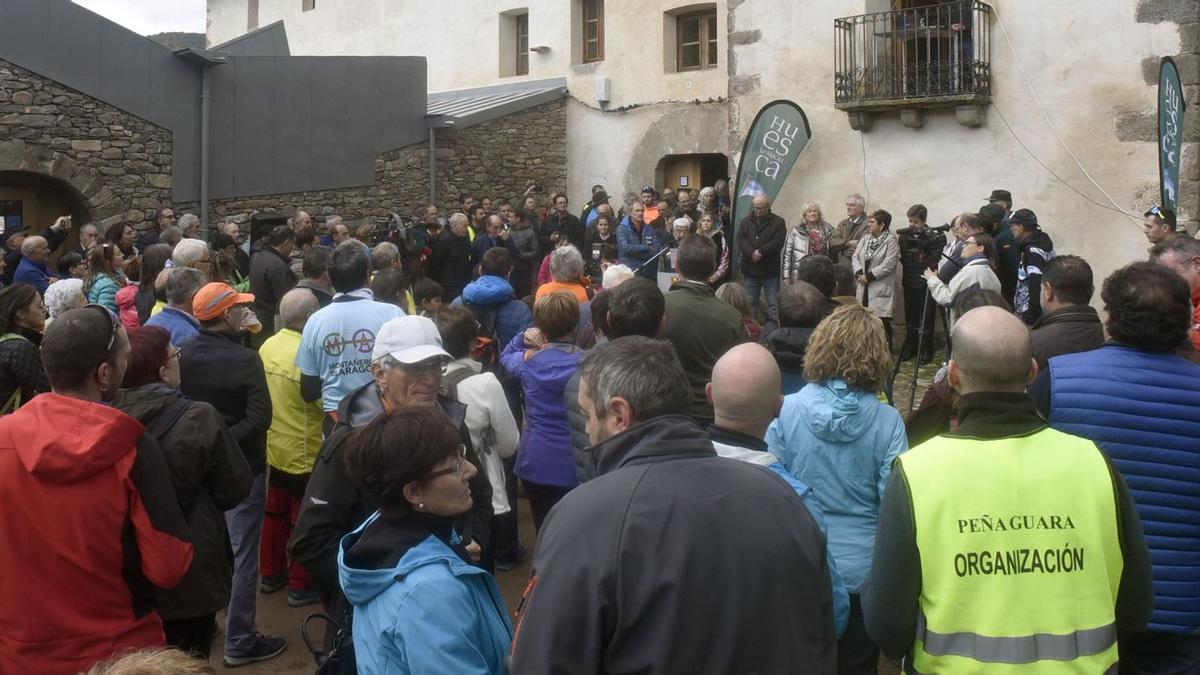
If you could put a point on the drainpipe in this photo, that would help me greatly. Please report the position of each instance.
(432, 165)
(205, 99)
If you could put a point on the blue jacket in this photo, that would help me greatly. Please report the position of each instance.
(544, 455)
(842, 443)
(634, 249)
(38, 276)
(496, 294)
(181, 325)
(432, 613)
(104, 292)
(1141, 409)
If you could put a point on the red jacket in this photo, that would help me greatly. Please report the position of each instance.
(88, 521)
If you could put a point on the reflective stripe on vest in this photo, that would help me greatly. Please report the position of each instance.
(1020, 556)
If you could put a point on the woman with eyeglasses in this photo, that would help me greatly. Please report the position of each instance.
(122, 236)
(978, 269)
(420, 606)
(22, 320)
(106, 276)
(209, 475)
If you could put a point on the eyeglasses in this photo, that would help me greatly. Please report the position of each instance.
(460, 463)
(113, 322)
(175, 354)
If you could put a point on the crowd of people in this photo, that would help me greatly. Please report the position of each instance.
(717, 479)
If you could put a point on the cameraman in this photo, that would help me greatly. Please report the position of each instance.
(920, 249)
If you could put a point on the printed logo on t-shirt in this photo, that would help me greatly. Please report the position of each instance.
(363, 341)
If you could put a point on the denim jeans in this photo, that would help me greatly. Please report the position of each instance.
(771, 286)
(245, 523)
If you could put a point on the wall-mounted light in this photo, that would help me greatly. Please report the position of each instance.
(540, 49)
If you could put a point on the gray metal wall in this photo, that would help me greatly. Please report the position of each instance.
(280, 124)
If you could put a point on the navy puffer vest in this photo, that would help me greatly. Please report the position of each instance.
(1143, 410)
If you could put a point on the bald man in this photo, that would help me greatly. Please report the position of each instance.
(1005, 541)
(745, 395)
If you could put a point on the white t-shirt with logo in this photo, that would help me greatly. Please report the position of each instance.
(337, 343)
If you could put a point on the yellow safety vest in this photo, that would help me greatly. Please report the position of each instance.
(1020, 556)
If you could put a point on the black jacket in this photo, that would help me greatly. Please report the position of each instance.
(270, 278)
(1066, 330)
(581, 443)
(334, 504)
(21, 366)
(209, 476)
(890, 598)
(215, 369)
(450, 264)
(674, 560)
(919, 250)
(565, 226)
(765, 236)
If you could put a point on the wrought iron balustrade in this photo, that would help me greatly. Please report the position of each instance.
(913, 56)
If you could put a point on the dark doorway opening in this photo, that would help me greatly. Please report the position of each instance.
(31, 202)
(692, 171)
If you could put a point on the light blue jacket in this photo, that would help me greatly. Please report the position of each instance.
(841, 442)
(104, 292)
(431, 614)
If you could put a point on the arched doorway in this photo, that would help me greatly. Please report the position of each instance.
(31, 202)
(692, 171)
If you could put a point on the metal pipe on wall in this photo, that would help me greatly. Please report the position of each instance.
(432, 165)
(205, 97)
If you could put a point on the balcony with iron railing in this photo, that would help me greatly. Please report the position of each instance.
(913, 59)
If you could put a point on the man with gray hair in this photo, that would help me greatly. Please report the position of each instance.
(189, 226)
(1182, 254)
(848, 232)
(293, 441)
(984, 531)
(182, 285)
(450, 262)
(32, 270)
(597, 587)
(385, 256)
(336, 231)
(192, 253)
(746, 397)
(170, 236)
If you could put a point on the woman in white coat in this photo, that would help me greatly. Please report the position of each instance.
(978, 269)
(876, 263)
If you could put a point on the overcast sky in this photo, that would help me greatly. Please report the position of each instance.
(151, 16)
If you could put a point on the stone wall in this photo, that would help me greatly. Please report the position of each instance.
(499, 159)
(117, 165)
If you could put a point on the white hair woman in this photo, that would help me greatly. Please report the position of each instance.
(810, 237)
(63, 295)
(566, 274)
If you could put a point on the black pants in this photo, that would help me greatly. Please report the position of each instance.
(1158, 653)
(914, 300)
(193, 636)
(857, 654)
(542, 498)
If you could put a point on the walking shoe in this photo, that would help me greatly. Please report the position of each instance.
(303, 598)
(273, 583)
(265, 647)
(506, 565)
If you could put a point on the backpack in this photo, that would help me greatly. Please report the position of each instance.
(485, 316)
(14, 400)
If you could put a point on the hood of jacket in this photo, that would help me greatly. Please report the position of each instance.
(488, 290)
(146, 402)
(362, 582)
(66, 440)
(362, 406)
(788, 346)
(667, 437)
(837, 413)
(1038, 239)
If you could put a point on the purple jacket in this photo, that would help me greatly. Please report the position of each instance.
(544, 455)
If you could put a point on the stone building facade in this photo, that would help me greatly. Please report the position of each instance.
(115, 165)
(499, 158)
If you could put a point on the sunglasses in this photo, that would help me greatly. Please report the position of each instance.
(459, 464)
(113, 323)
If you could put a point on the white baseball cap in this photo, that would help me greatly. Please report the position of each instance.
(409, 340)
